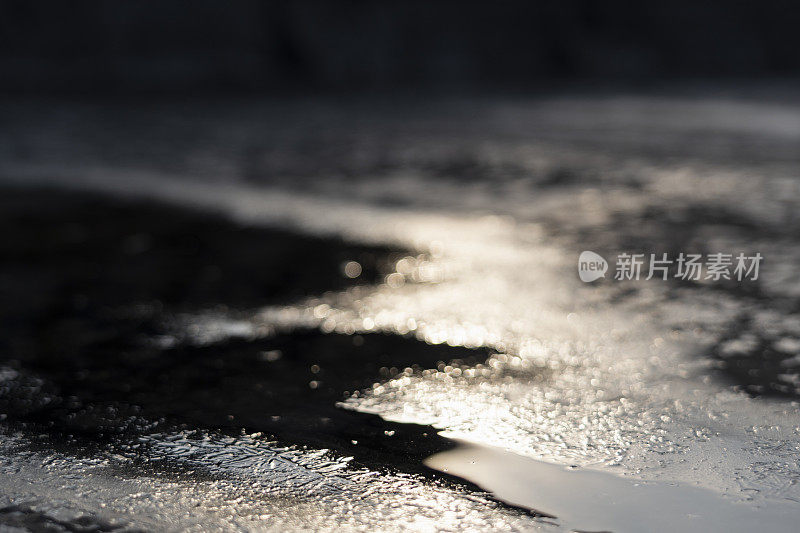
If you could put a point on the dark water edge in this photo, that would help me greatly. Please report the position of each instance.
(91, 362)
(89, 288)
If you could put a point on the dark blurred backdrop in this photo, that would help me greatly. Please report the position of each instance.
(174, 45)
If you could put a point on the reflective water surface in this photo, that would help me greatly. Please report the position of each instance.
(677, 401)
(591, 499)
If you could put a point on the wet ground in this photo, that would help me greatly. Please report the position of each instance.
(292, 315)
(98, 355)
(99, 361)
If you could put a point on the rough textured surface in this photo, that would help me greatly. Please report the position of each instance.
(467, 218)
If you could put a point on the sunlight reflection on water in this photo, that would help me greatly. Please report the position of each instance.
(613, 376)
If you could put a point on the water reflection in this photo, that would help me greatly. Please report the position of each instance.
(584, 499)
(642, 378)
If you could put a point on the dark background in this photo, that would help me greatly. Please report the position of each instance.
(246, 45)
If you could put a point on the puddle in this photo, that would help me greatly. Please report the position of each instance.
(583, 499)
(94, 351)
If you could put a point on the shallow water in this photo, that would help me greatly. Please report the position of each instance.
(590, 499)
(472, 215)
